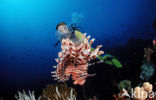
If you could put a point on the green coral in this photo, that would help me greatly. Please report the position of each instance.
(125, 84)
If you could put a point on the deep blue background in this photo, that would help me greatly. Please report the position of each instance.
(27, 33)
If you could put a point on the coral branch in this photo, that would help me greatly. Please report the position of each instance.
(59, 92)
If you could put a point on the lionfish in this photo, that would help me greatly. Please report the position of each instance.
(74, 59)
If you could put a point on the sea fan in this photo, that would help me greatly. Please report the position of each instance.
(59, 92)
(24, 96)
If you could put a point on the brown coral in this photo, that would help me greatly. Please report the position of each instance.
(148, 52)
(59, 92)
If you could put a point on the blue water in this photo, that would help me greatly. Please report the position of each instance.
(27, 33)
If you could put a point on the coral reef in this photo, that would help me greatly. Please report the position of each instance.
(147, 70)
(142, 93)
(73, 60)
(139, 93)
(59, 92)
(24, 96)
(126, 84)
(148, 52)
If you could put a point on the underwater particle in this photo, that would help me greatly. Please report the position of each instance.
(24, 96)
(58, 92)
(73, 60)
